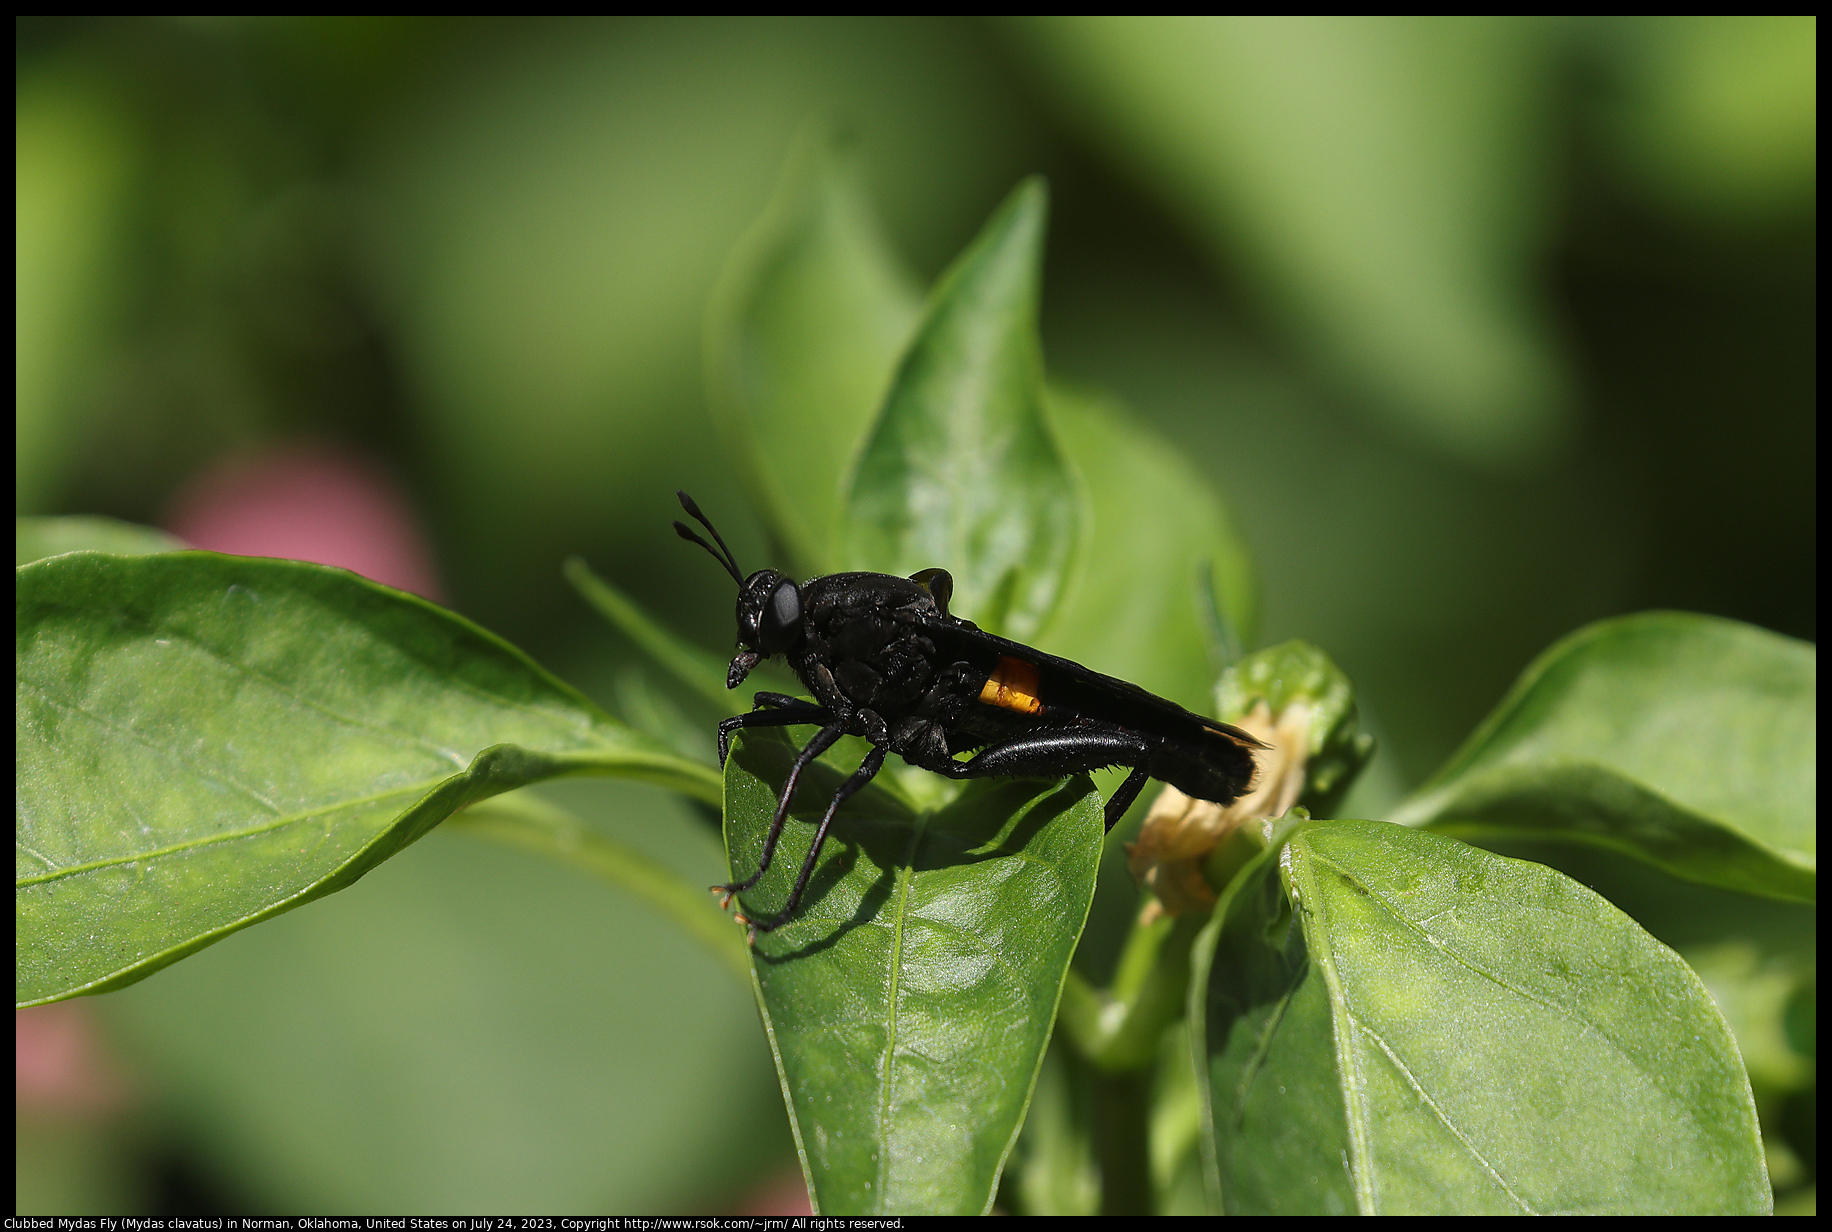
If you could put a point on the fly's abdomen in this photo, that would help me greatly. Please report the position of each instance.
(1221, 774)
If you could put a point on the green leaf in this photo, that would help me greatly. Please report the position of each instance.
(1157, 542)
(806, 328)
(961, 471)
(37, 538)
(205, 741)
(1687, 741)
(1391, 1022)
(909, 1000)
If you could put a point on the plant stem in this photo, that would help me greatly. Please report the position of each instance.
(534, 824)
(1122, 1141)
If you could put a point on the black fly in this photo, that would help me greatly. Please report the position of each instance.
(884, 660)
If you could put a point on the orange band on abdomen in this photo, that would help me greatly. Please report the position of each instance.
(1013, 686)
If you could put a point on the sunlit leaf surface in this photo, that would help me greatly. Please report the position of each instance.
(1687, 741)
(910, 998)
(1391, 1022)
(205, 741)
(961, 471)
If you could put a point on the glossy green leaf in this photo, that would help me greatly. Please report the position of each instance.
(1391, 1022)
(1158, 542)
(37, 538)
(205, 741)
(1687, 741)
(910, 999)
(961, 470)
(806, 328)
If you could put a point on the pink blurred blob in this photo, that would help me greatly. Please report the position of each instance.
(61, 1065)
(307, 501)
(783, 1194)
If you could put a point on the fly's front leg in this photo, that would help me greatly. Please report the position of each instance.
(773, 710)
(863, 775)
(823, 740)
(1053, 752)
(873, 729)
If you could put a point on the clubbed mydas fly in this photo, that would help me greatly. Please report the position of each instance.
(884, 660)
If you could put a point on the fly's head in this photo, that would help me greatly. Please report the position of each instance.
(769, 621)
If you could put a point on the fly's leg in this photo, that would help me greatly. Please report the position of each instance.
(863, 775)
(1052, 753)
(773, 710)
(1122, 799)
(823, 740)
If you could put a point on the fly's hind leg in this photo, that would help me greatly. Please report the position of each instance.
(1053, 752)
(1122, 798)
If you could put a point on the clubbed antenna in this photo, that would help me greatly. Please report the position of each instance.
(728, 560)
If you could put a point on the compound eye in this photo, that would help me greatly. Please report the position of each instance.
(781, 625)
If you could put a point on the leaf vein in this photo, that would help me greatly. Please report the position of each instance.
(226, 836)
(1443, 1118)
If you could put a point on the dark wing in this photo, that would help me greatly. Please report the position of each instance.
(1065, 683)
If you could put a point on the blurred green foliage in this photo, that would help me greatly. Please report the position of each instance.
(1486, 327)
